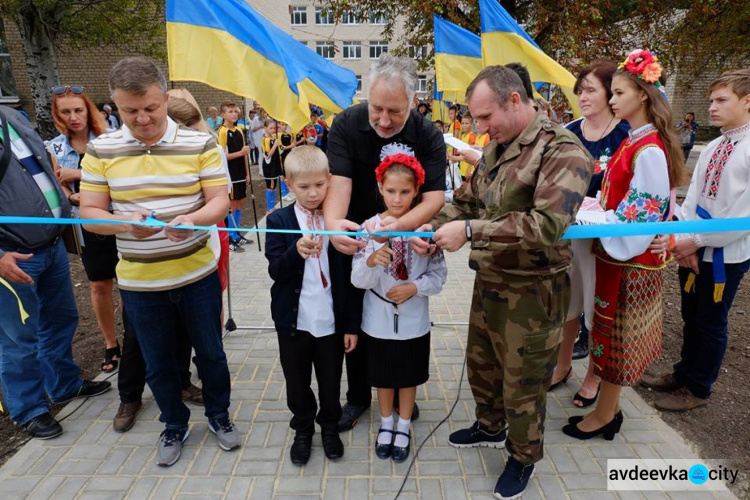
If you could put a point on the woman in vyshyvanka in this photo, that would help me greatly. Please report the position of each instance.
(626, 335)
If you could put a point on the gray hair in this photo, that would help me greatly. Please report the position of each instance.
(502, 82)
(136, 75)
(107, 108)
(395, 69)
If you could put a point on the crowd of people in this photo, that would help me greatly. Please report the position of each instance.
(363, 302)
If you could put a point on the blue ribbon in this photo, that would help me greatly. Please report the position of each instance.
(573, 233)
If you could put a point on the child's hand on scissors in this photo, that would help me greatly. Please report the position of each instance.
(308, 246)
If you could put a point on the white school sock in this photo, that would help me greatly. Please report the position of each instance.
(386, 423)
(403, 426)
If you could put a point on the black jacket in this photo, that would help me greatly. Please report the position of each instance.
(286, 267)
(20, 194)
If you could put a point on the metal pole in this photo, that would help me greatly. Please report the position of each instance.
(252, 189)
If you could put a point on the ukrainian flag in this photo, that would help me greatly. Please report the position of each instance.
(458, 59)
(226, 44)
(504, 41)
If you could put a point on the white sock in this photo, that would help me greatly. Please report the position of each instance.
(403, 426)
(387, 424)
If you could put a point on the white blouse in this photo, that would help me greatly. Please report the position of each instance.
(413, 316)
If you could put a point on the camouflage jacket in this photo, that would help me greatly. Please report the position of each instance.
(521, 200)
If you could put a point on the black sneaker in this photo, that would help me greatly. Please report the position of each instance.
(512, 482)
(301, 448)
(332, 445)
(88, 389)
(477, 435)
(349, 416)
(43, 427)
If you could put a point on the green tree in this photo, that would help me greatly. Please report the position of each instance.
(49, 26)
(695, 34)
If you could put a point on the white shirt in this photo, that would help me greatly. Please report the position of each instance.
(721, 185)
(315, 311)
(427, 273)
(258, 134)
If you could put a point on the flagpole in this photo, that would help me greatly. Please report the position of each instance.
(250, 178)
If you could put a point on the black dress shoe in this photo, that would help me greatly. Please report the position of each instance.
(332, 445)
(383, 451)
(349, 416)
(401, 453)
(608, 430)
(43, 427)
(88, 389)
(300, 452)
(581, 347)
(618, 417)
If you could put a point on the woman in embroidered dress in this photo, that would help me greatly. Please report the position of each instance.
(79, 122)
(626, 335)
(395, 316)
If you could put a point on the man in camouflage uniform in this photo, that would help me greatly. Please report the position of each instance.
(518, 204)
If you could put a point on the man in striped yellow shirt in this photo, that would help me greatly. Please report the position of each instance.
(150, 167)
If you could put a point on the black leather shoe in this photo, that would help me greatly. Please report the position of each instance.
(88, 389)
(399, 454)
(608, 430)
(349, 416)
(384, 450)
(618, 417)
(332, 445)
(43, 427)
(300, 452)
(581, 347)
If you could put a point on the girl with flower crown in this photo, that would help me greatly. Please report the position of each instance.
(626, 335)
(395, 316)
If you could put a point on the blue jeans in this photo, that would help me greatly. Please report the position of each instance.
(704, 335)
(37, 357)
(156, 318)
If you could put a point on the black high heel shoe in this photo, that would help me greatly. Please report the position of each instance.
(585, 401)
(561, 381)
(384, 451)
(618, 417)
(608, 431)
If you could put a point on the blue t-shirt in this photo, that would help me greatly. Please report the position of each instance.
(601, 150)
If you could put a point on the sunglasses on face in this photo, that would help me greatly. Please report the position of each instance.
(61, 89)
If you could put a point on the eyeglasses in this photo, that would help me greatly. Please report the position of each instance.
(61, 89)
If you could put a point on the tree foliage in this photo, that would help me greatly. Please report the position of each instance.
(49, 26)
(694, 33)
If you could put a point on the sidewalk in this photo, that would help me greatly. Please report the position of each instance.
(90, 461)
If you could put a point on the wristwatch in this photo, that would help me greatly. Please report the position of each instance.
(468, 230)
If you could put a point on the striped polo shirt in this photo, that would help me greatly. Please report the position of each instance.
(167, 178)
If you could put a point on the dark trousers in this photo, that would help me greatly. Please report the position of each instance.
(299, 353)
(359, 392)
(254, 155)
(131, 379)
(155, 317)
(705, 332)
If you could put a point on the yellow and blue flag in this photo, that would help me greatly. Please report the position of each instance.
(504, 41)
(458, 59)
(226, 44)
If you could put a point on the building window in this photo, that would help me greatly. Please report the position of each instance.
(417, 52)
(352, 50)
(325, 49)
(349, 18)
(378, 18)
(421, 83)
(359, 83)
(323, 17)
(8, 89)
(377, 48)
(299, 14)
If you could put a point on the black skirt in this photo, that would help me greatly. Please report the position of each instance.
(394, 364)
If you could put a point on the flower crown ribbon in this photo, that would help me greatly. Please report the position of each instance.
(643, 64)
(401, 159)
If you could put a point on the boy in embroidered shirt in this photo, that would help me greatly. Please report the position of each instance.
(315, 322)
(711, 264)
(232, 140)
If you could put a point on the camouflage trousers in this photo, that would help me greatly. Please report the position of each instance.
(515, 329)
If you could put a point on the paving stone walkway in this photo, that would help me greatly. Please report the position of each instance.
(90, 461)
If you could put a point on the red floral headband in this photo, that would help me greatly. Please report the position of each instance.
(643, 64)
(401, 159)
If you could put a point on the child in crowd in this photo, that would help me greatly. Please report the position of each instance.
(232, 140)
(469, 137)
(314, 322)
(286, 143)
(395, 314)
(271, 162)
